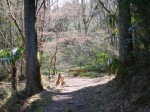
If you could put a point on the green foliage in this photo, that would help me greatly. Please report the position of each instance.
(101, 61)
(116, 67)
(5, 53)
(98, 64)
(19, 53)
(88, 74)
(116, 31)
(102, 57)
(91, 68)
(7, 57)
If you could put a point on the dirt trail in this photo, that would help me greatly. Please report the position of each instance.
(70, 98)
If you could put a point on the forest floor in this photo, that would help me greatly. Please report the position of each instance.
(81, 94)
(101, 94)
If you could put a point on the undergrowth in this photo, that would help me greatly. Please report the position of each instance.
(15, 101)
(19, 102)
(89, 74)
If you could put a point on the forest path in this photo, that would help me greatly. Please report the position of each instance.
(76, 95)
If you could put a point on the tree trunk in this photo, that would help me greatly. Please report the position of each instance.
(54, 66)
(14, 77)
(33, 83)
(84, 21)
(125, 38)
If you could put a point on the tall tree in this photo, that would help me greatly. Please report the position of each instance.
(125, 38)
(84, 21)
(33, 83)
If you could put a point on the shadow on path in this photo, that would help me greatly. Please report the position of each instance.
(93, 95)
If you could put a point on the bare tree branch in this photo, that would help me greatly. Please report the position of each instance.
(5, 38)
(15, 21)
(36, 4)
(102, 4)
(92, 15)
(44, 3)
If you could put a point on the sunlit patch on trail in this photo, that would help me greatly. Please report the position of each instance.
(61, 97)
